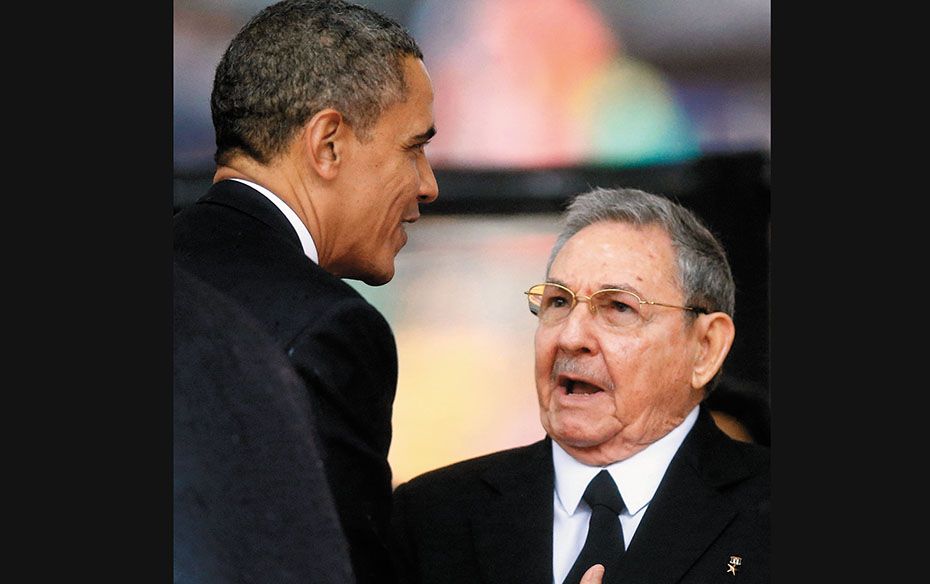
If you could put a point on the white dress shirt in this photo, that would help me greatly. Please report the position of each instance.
(306, 240)
(637, 479)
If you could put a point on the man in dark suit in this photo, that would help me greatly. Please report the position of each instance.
(635, 322)
(251, 500)
(322, 111)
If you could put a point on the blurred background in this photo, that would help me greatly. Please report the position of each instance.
(536, 101)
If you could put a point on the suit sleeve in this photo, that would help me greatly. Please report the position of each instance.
(250, 495)
(348, 360)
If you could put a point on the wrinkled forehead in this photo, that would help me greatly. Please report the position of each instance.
(611, 254)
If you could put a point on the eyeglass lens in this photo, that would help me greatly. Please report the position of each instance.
(615, 308)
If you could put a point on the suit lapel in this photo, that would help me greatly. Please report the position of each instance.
(687, 513)
(513, 538)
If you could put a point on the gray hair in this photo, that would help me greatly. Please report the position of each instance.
(703, 270)
(297, 57)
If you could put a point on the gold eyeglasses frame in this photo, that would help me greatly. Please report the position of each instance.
(592, 307)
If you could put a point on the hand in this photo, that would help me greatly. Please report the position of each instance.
(594, 575)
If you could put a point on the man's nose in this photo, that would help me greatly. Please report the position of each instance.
(577, 334)
(429, 188)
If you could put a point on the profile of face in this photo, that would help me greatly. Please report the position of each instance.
(383, 179)
(605, 391)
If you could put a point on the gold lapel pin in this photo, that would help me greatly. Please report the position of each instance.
(734, 562)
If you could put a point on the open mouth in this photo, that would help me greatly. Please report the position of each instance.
(579, 387)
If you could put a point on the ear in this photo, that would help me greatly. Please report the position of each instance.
(322, 137)
(714, 334)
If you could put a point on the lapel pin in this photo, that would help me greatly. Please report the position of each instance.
(734, 562)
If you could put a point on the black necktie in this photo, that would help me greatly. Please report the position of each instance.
(604, 544)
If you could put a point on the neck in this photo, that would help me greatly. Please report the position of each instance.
(278, 177)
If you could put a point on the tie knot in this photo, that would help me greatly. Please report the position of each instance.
(602, 490)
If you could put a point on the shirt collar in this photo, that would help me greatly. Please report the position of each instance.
(637, 477)
(306, 240)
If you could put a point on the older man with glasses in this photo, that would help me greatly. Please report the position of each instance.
(633, 476)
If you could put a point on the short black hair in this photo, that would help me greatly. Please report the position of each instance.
(297, 57)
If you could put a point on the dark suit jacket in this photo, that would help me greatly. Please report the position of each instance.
(489, 519)
(340, 345)
(251, 501)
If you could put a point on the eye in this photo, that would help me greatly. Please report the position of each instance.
(556, 301)
(620, 306)
(618, 303)
(420, 147)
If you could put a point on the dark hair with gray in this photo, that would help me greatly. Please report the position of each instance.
(297, 57)
(703, 270)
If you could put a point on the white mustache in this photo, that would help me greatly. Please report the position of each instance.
(574, 368)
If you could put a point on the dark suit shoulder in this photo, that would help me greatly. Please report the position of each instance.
(454, 524)
(752, 459)
(239, 242)
(755, 456)
(748, 485)
(724, 462)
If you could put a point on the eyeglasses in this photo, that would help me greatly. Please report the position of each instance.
(616, 308)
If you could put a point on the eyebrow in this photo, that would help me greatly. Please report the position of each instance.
(424, 137)
(625, 287)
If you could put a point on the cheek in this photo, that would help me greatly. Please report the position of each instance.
(397, 170)
(395, 190)
(654, 377)
(672, 364)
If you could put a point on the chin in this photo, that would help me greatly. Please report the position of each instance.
(378, 279)
(368, 275)
(579, 439)
(575, 433)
